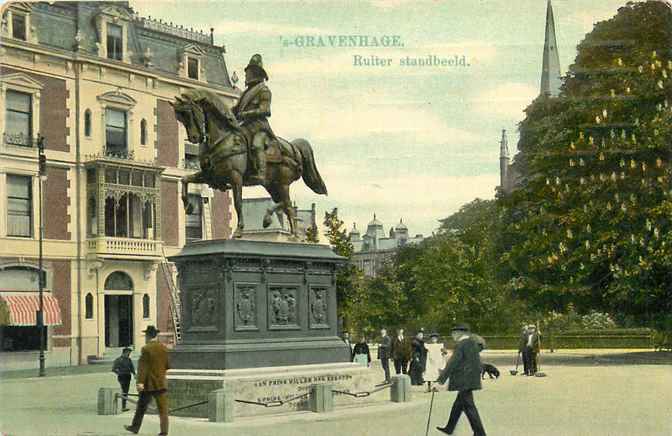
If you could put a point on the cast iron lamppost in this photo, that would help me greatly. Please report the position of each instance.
(42, 159)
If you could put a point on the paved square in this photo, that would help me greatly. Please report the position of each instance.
(590, 400)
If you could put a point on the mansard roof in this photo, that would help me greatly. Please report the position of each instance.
(71, 26)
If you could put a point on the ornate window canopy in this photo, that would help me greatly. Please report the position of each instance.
(21, 82)
(111, 14)
(19, 8)
(193, 51)
(117, 99)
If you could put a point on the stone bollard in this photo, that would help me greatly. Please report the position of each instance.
(321, 398)
(108, 402)
(400, 392)
(220, 406)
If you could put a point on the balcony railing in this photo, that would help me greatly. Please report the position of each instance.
(124, 247)
(190, 164)
(18, 139)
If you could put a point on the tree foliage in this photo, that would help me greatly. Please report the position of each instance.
(590, 224)
(348, 275)
(448, 278)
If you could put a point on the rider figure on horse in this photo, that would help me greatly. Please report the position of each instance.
(252, 111)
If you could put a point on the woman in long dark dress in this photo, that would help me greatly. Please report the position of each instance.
(362, 349)
(418, 359)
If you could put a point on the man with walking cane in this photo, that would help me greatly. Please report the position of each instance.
(464, 372)
(532, 349)
(522, 350)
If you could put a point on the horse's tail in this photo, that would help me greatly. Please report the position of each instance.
(311, 176)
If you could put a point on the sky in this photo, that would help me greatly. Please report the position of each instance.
(403, 142)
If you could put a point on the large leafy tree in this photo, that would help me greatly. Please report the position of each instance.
(449, 277)
(590, 224)
(347, 277)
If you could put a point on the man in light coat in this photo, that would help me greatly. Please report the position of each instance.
(151, 381)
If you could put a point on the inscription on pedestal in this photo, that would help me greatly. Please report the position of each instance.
(245, 297)
(282, 307)
(282, 389)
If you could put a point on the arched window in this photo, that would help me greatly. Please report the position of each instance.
(143, 132)
(118, 281)
(88, 306)
(87, 123)
(145, 306)
(21, 278)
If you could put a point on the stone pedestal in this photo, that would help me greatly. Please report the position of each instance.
(249, 304)
(321, 398)
(264, 385)
(108, 403)
(220, 406)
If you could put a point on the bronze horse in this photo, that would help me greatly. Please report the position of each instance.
(225, 161)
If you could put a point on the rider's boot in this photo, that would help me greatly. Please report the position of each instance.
(260, 168)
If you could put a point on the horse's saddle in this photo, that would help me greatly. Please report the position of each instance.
(279, 150)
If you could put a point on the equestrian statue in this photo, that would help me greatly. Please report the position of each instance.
(238, 147)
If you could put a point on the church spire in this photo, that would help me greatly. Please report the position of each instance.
(504, 146)
(504, 162)
(550, 74)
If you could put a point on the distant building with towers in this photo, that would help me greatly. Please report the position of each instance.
(278, 230)
(550, 87)
(374, 248)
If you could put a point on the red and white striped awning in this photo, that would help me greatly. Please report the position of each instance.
(23, 309)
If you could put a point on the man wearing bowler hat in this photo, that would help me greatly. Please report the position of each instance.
(151, 381)
(464, 371)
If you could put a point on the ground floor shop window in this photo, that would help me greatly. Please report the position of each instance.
(20, 338)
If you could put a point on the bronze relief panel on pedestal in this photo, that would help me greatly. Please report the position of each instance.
(283, 307)
(245, 306)
(202, 308)
(318, 307)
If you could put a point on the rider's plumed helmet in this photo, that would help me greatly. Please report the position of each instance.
(255, 68)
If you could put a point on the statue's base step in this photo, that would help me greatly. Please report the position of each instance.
(272, 384)
(259, 352)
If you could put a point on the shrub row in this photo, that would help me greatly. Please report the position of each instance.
(576, 341)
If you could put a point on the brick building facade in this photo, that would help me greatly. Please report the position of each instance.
(96, 81)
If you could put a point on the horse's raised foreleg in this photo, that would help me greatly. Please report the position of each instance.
(191, 178)
(280, 195)
(237, 190)
(291, 216)
(275, 196)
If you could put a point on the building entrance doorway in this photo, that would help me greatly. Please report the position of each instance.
(118, 310)
(118, 320)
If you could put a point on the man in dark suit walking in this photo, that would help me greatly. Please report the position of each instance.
(401, 352)
(532, 349)
(151, 381)
(123, 367)
(464, 371)
(384, 351)
(522, 349)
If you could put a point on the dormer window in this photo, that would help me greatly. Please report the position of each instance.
(192, 67)
(191, 60)
(19, 26)
(114, 42)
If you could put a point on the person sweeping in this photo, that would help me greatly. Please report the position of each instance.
(464, 372)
